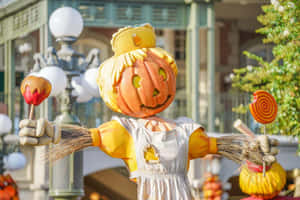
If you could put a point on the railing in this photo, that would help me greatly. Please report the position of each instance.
(95, 112)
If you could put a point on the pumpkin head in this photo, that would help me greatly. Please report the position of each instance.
(140, 80)
(265, 187)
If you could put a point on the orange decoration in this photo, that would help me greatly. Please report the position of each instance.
(8, 188)
(146, 88)
(136, 39)
(9, 179)
(212, 188)
(4, 195)
(35, 89)
(140, 79)
(262, 186)
(264, 107)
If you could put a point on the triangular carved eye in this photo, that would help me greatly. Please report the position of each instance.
(136, 81)
(162, 72)
(155, 92)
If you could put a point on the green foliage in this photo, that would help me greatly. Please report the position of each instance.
(281, 76)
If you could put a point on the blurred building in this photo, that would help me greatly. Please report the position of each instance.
(24, 32)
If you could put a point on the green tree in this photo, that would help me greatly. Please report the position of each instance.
(281, 76)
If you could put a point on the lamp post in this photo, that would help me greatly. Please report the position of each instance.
(63, 69)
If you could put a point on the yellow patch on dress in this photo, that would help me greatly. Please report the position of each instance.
(150, 154)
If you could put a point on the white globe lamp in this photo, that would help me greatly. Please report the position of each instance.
(66, 22)
(89, 82)
(34, 74)
(5, 124)
(79, 91)
(57, 78)
(15, 161)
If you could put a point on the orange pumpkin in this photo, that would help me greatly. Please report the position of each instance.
(4, 195)
(10, 190)
(260, 186)
(9, 179)
(140, 80)
(2, 181)
(212, 187)
(147, 88)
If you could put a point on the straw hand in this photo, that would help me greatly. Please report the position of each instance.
(38, 132)
(261, 149)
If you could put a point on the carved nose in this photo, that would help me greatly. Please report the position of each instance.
(155, 92)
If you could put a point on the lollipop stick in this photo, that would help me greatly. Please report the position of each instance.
(31, 111)
(264, 168)
(264, 163)
(240, 126)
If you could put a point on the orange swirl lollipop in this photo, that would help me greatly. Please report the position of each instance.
(264, 107)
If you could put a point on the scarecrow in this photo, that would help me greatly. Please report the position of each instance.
(140, 81)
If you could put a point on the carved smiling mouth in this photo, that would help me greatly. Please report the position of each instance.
(158, 105)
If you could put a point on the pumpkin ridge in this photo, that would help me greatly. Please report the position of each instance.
(164, 55)
(151, 78)
(150, 74)
(163, 63)
(137, 90)
(121, 99)
(128, 91)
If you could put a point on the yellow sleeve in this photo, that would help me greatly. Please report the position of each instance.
(200, 144)
(112, 138)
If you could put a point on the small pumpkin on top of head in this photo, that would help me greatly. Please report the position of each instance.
(142, 78)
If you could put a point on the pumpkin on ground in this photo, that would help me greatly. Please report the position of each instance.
(8, 188)
(275, 198)
(212, 188)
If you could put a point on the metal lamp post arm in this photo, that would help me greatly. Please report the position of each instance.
(39, 62)
(93, 59)
(52, 58)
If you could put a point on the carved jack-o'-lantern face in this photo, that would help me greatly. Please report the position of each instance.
(146, 88)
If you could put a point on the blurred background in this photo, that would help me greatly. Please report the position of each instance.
(216, 31)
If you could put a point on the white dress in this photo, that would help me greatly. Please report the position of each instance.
(165, 179)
